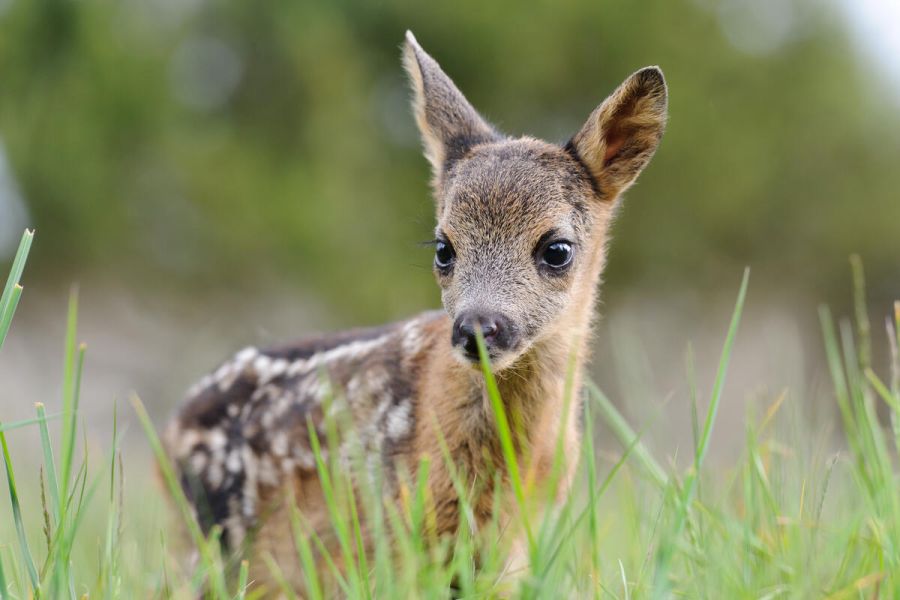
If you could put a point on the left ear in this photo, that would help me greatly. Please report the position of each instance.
(621, 135)
(449, 125)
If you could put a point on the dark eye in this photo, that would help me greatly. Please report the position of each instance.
(444, 255)
(557, 255)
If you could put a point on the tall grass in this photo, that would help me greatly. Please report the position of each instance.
(781, 522)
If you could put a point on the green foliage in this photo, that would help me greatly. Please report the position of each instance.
(778, 523)
(217, 144)
(12, 291)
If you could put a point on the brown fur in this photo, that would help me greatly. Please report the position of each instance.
(241, 440)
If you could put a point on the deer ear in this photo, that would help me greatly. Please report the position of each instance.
(448, 123)
(621, 135)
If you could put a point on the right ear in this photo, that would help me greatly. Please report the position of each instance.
(448, 123)
(621, 135)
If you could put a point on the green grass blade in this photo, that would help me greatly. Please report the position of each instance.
(70, 417)
(26, 422)
(304, 551)
(17, 517)
(456, 478)
(243, 576)
(286, 590)
(893, 334)
(691, 370)
(896, 344)
(4, 587)
(894, 352)
(627, 436)
(332, 565)
(593, 518)
(8, 310)
(332, 501)
(15, 273)
(883, 391)
(661, 587)
(49, 462)
(863, 328)
(85, 495)
(174, 487)
(838, 377)
(569, 392)
(724, 358)
(506, 439)
(114, 514)
(361, 561)
(595, 495)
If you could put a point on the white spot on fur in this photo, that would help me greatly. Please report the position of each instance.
(226, 375)
(251, 477)
(413, 339)
(233, 462)
(399, 421)
(261, 364)
(197, 388)
(267, 369)
(280, 444)
(377, 380)
(267, 473)
(234, 523)
(350, 351)
(353, 386)
(215, 475)
(186, 441)
(313, 388)
(246, 355)
(216, 440)
(249, 505)
(198, 461)
(306, 459)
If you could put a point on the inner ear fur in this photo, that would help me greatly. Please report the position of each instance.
(621, 135)
(449, 125)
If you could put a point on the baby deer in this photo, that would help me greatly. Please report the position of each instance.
(520, 244)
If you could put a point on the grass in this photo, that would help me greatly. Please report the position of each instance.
(788, 519)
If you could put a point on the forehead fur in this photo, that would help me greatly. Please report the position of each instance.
(523, 177)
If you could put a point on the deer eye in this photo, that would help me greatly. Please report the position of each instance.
(444, 255)
(557, 255)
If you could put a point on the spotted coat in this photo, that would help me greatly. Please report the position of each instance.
(244, 431)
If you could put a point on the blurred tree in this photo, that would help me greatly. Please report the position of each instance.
(218, 143)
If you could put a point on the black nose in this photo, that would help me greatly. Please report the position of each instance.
(497, 330)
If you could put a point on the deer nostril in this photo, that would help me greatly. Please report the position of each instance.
(499, 333)
(464, 333)
(468, 328)
(488, 328)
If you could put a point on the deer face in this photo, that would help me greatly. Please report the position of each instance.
(522, 224)
(514, 234)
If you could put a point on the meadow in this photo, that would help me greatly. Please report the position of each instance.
(803, 513)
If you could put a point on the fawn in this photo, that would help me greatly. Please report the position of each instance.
(520, 246)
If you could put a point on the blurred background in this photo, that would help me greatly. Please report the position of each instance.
(216, 173)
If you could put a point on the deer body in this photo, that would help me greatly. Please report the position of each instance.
(520, 246)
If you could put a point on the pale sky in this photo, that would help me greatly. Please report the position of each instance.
(876, 28)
